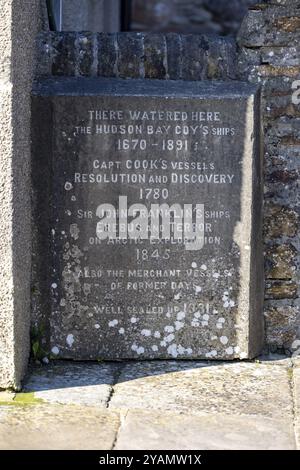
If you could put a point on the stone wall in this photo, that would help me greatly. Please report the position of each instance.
(189, 16)
(269, 42)
(267, 53)
(20, 21)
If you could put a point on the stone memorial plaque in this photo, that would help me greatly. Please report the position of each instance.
(148, 218)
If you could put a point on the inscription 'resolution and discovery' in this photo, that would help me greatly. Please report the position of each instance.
(155, 194)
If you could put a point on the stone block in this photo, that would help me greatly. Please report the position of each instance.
(20, 22)
(163, 296)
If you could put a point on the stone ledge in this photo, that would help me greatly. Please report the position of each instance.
(136, 55)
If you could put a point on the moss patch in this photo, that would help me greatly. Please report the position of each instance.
(290, 373)
(27, 398)
(22, 399)
(37, 335)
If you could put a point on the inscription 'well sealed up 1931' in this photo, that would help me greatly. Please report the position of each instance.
(147, 219)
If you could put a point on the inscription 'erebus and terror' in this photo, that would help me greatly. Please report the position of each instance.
(147, 221)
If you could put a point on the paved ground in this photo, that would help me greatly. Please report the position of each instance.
(155, 405)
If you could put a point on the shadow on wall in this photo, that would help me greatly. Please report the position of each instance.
(221, 17)
(85, 15)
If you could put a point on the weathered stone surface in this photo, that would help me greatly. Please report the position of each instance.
(221, 59)
(271, 26)
(44, 52)
(195, 64)
(168, 431)
(281, 290)
(281, 324)
(131, 55)
(85, 42)
(63, 54)
(287, 191)
(283, 176)
(135, 298)
(284, 128)
(174, 53)
(280, 221)
(88, 384)
(252, 389)
(20, 22)
(281, 163)
(154, 56)
(45, 427)
(280, 261)
(281, 338)
(137, 55)
(280, 56)
(107, 55)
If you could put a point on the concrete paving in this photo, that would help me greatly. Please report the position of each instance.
(192, 388)
(155, 431)
(59, 427)
(155, 405)
(81, 384)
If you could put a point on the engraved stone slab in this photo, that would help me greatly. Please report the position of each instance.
(147, 218)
